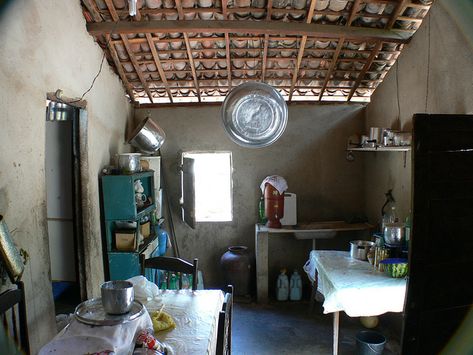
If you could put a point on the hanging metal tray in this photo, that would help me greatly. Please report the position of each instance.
(91, 312)
(254, 115)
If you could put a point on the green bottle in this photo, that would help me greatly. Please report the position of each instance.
(173, 282)
(261, 215)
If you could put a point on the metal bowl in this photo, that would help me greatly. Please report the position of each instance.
(148, 137)
(129, 163)
(254, 115)
(117, 296)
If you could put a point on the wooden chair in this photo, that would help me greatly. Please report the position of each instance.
(224, 332)
(9, 301)
(171, 264)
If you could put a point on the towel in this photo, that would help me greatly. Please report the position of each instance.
(278, 182)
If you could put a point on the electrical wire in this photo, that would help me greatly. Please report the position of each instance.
(96, 75)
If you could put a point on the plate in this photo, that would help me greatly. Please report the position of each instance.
(254, 115)
(91, 312)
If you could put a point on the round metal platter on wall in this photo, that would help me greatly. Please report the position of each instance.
(254, 115)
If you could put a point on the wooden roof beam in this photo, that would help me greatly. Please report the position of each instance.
(333, 64)
(227, 46)
(399, 9)
(189, 50)
(253, 27)
(310, 14)
(264, 59)
(368, 63)
(120, 70)
(126, 44)
(354, 10)
(158, 64)
(91, 6)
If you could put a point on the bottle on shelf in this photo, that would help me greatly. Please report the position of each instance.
(408, 229)
(261, 215)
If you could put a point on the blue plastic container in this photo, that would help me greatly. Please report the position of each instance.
(162, 241)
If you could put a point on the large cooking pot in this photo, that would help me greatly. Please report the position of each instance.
(359, 249)
(148, 137)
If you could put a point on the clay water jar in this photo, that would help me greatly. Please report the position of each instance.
(237, 267)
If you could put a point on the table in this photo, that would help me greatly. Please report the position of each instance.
(353, 286)
(315, 230)
(194, 312)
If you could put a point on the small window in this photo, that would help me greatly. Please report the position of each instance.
(206, 182)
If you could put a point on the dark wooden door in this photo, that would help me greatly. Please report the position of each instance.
(440, 284)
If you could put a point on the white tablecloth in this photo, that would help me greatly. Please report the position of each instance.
(195, 313)
(354, 286)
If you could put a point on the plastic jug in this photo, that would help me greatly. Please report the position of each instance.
(296, 287)
(282, 286)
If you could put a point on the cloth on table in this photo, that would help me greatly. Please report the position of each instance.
(278, 182)
(354, 286)
(78, 338)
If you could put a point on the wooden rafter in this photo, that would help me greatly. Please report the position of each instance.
(253, 27)
(158, 64)
(189, 50)
(227, 46)
(91, 6)
(120, 70)
(368, 63)
(354, 11)
(300, 54)
(333, 64)
(264, 60)
(130, 53)
(397, 11)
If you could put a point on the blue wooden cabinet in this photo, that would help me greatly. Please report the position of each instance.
(119, 208)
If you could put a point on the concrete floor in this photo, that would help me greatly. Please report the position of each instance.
(289, 328)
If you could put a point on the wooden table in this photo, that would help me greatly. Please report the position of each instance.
(314, 231)
(353, 286)
(194, 312)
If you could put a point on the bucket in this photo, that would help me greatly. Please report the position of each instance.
(369, 342)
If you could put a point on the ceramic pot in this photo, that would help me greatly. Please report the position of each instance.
(237, 267)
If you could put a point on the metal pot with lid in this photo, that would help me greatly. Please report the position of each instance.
(359, 249)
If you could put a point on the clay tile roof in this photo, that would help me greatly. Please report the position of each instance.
(176, 51)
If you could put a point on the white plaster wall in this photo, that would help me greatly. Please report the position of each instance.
(45, 46)
(310, 155)
(449, 86)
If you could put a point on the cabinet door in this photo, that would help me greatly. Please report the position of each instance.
(440, 292)
(122, 266)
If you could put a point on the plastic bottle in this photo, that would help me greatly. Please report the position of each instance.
(282, 286)
(296, 287)
(173, 280)
(261, 216)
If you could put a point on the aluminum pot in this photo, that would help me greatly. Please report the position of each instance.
(359, 249)
(148, 137)
(117, 296)
(129, 163)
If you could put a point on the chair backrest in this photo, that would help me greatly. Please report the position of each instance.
(224, 331)
(171, 264)
(9, 300)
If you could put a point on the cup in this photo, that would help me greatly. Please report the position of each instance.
(140, 199)
(117, 296)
